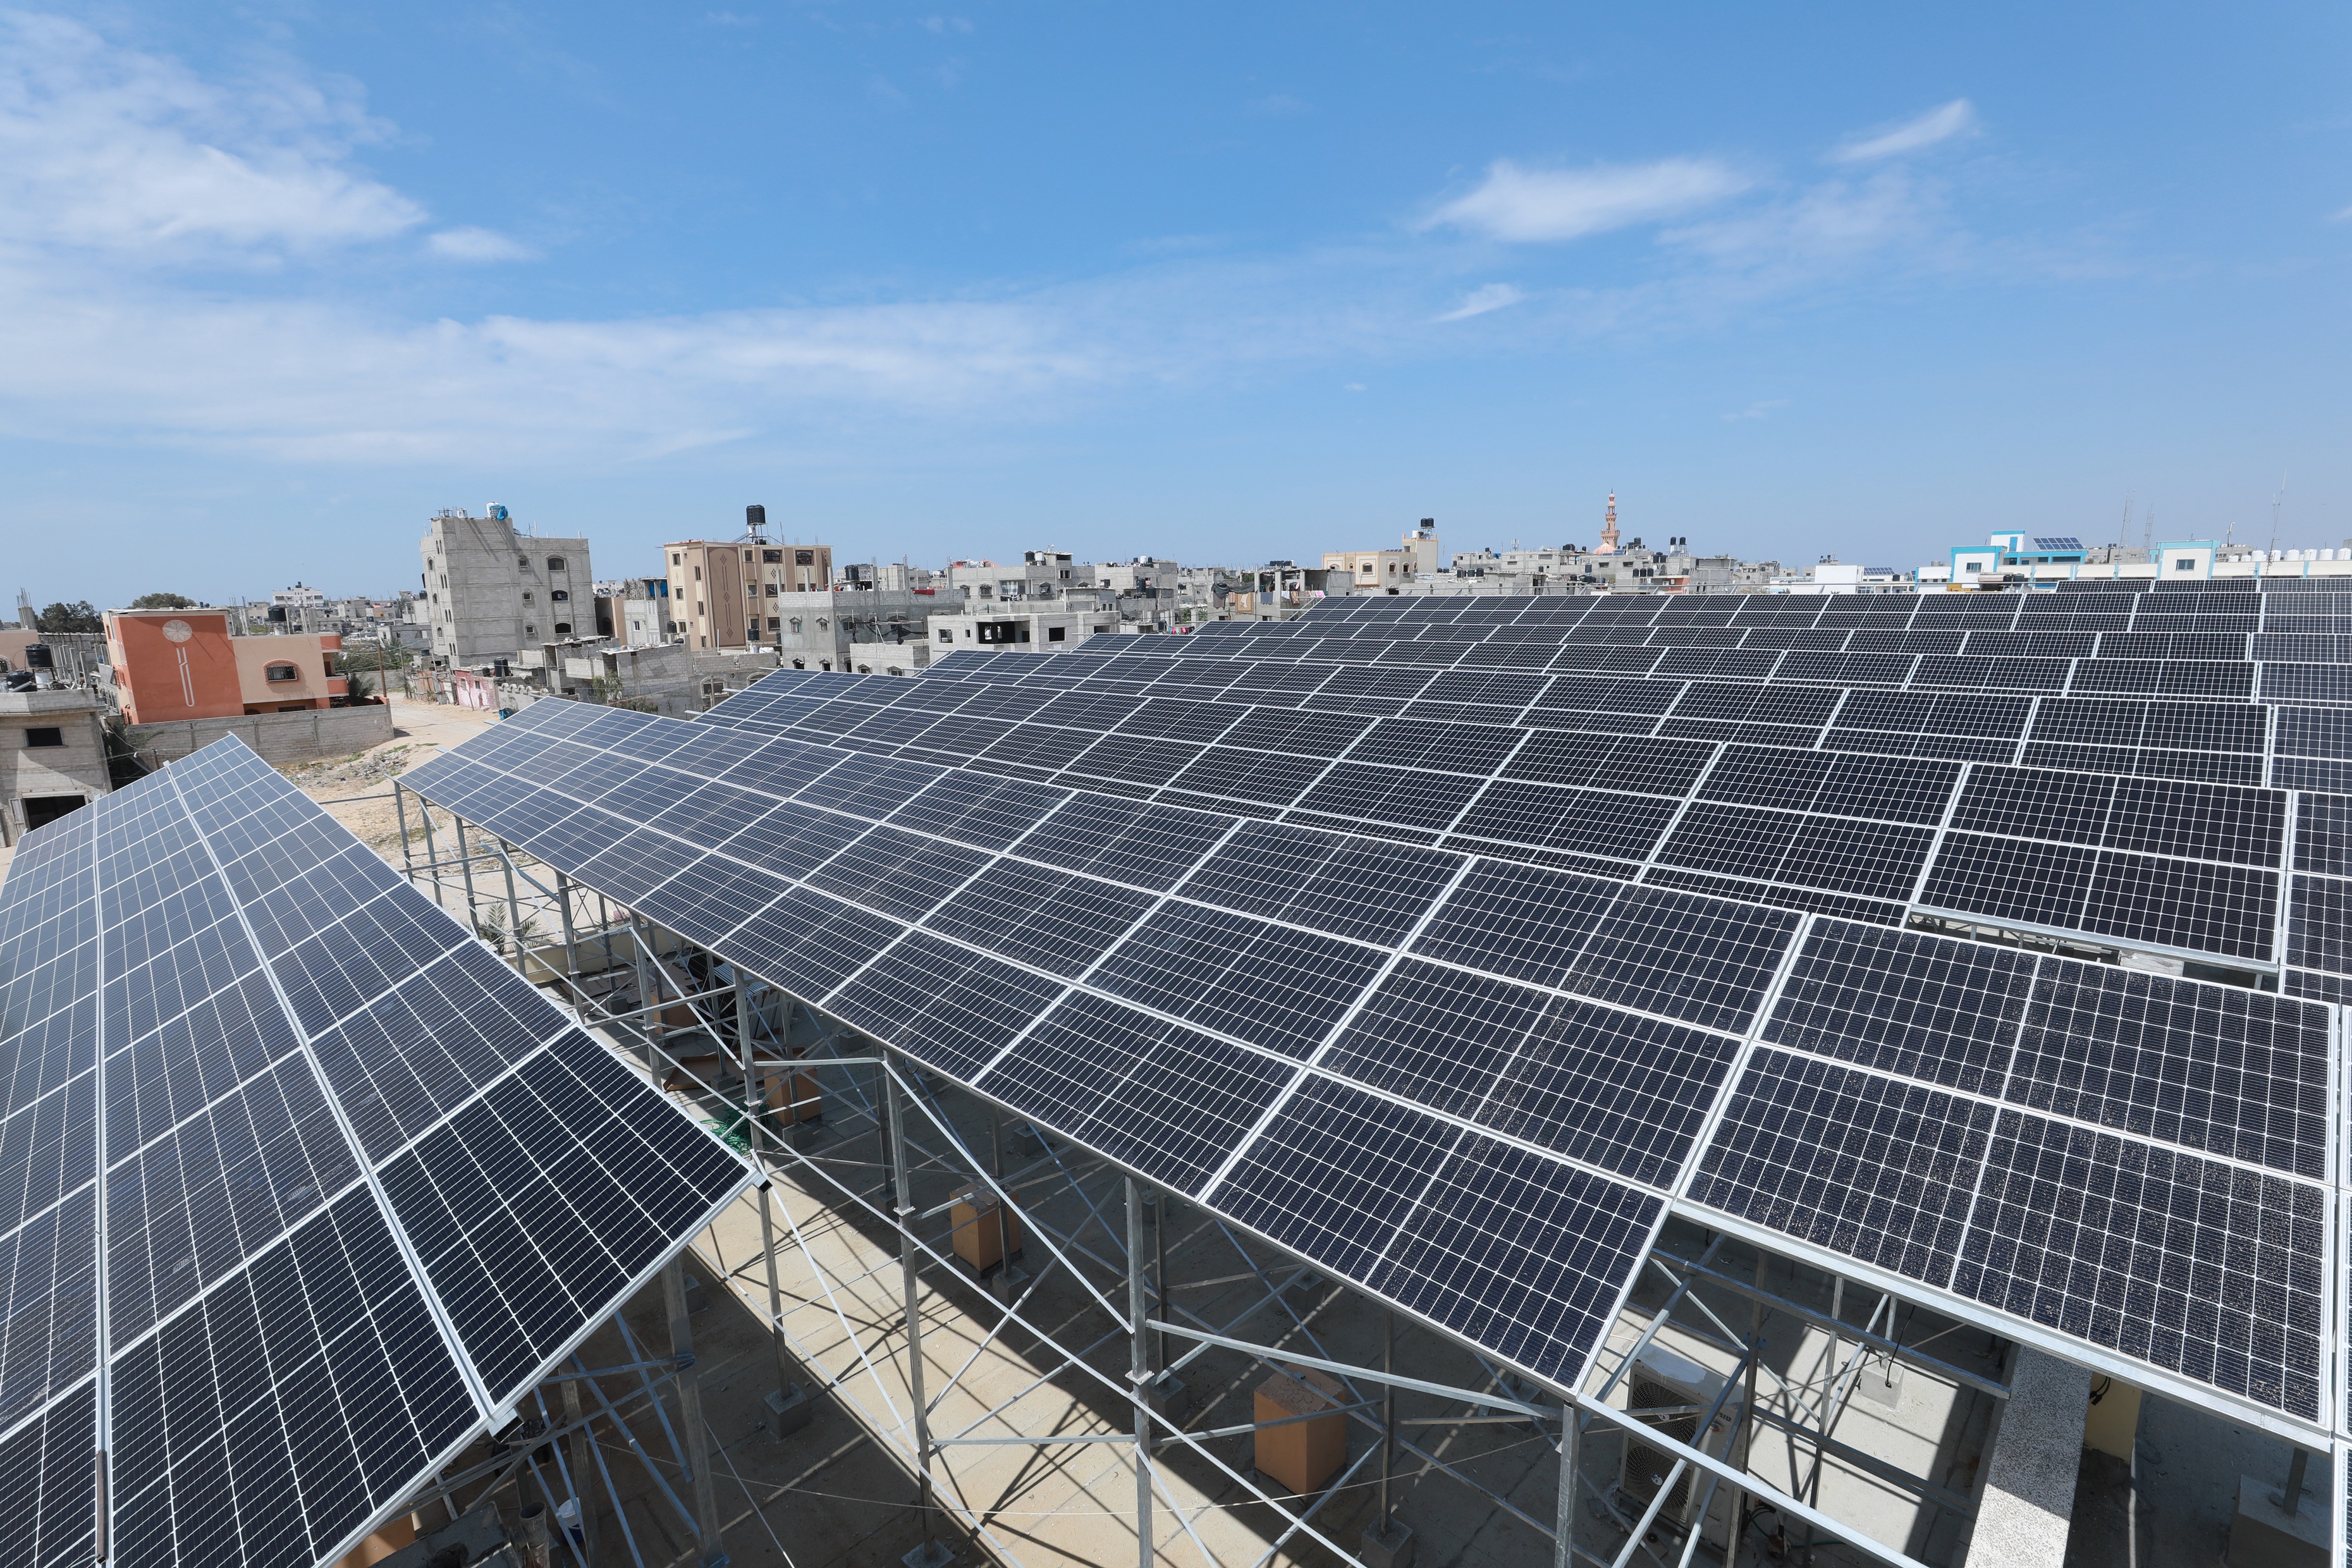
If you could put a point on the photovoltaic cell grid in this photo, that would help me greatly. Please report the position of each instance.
(2125, 1158)
(1494, 1106)
(281, 1083)
(1157, 982)
(2177, 864)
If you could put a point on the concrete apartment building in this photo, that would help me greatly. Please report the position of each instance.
(491, 591)
(634, 610)
(172, 665)
(1389, 570)
(1023, 630)
(722, 593)
(845, 629)
(52, 757)
(1042, 574)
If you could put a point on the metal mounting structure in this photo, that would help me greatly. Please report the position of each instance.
(718, 1038)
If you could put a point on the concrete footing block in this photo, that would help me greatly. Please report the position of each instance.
(2263, 1535)
(789, 1410)
(1167, 1397)
(932, 1553)
(1388, 1545)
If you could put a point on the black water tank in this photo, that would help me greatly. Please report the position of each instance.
(755, 516)
(38, 657)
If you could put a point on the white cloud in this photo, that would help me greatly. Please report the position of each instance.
(1823, 227)
(1958, 118)
(1517, 203)
(1478, 301)
(107, 148)
(478, 244)
(1760, 410)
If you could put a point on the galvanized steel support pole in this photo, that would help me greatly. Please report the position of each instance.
(432, 854)
(400, 809)
(648, 1004)
(1164, 1211)
(514, 915)
(754, 1130)
(571, 933)
(1139, 1315)
(1388, 1412)
(903, 1181)
(466, 870)
(1563, 1545)
(584, 1454)
(690, 1414)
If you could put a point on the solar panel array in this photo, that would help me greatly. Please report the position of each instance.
(1648, 791)
(301, 1186)
(1470, 1072)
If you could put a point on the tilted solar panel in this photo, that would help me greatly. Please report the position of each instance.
(1727, 796)
(307, 1114)
(1479, 1102)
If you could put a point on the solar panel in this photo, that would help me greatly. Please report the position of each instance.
(1766, 816)
(1480, 1104)
(307, 1111)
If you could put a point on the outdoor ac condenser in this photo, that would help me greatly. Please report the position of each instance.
(1664, 1380)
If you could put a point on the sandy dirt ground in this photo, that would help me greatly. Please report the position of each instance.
(357, 790)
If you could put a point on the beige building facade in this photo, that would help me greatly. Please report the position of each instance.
(723, 594)
(52, 757)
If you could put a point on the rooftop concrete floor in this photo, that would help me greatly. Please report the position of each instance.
(842, 1489)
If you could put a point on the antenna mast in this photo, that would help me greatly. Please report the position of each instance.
(2278, 502)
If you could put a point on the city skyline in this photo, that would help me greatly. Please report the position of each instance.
(939, 285)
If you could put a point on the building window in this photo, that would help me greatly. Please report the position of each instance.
(523, 563)
(530, 631)
(526, 596)
(771, 590)
(558, 596)
(677, 560)
(803, 557)
(45, 737)
(1056, 634)
(283, 672)
(697, 574)
(555, 563)
(563, 628)
(946, 635)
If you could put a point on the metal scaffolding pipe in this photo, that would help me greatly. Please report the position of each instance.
(1140, 1369)
(689, 1415)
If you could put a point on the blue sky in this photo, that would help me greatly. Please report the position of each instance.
(1218, 281)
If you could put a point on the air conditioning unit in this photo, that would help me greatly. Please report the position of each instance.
(1662, 1380)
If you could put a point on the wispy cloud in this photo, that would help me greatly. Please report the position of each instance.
(1759, 410)
(1478, 301)
(478, 244)
(1958, 118)
(945, 24)
(108, 148)
(1523, 205)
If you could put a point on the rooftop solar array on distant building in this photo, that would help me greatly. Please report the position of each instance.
(1267, 931)
(303, 1186)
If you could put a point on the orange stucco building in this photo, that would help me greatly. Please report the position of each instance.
(182, 664)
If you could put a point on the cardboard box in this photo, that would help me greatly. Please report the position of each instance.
(1302, 1455)
(793, 1097)
(974, 1217)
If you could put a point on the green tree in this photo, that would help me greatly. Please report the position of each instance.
(162, 602)
(82, 615)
